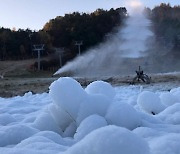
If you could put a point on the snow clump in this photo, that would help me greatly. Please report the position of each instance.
(165, 144)
(88, 125)
(101, 87)
(94, 104)
(123, 115)
(176, 92)
(110, 140)
(68, 94)
(41, 123)
(171, 114)
(150, 102)
(14, 134)
(6, 119)
(168, 98)
(60, 116)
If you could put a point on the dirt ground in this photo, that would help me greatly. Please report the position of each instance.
(16, 78)
(13, 86)
(19, 80)
(10, 87)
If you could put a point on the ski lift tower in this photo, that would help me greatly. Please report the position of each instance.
(79, 43)
(38, 48)
(60, 51)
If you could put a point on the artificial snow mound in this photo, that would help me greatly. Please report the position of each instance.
(101, 87)
(176, 92)
(171, 114)
(6, 118)
(166, 144)
(124, 115)
(40, 143)
(168, 99)
(70, 130)
(68, 94)
(10, 135)
(150, 102)
(45, 122)
(94, 104)
(110, 140)
(89, 124)
(61, 117)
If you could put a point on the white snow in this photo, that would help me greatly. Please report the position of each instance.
(97, 119)
(123, 115)
(166, 144)
(68, 95)
(101, 87)
(176, 92)
(45, 122)
(150, 102)
(168, 98)
(89, 124)
(171, 115)
(14, 134)
(70, 130)
(60, 116)
(6, 119)
(110, 140)
(95, 104)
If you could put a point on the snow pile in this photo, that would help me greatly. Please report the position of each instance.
(39, 143)
(96, 99)
(101, 87)
(97, 119)
(41, 123)
(89, 124)
(75, 104)
(68, 95)
(124, 115)
(166, 144)
(6, 119)
(150, 102)
(70, 130)
(171, 115)
(168, 99)
(15, 134)
(60, 116)
(110, 140)
(176, 92)
(94, 104)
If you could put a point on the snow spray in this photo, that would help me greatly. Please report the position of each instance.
(114, 56)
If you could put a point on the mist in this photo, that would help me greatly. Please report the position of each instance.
(121, 53)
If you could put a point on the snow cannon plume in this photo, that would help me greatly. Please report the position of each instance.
(125, 46)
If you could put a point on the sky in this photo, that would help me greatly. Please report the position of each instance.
(33, 14)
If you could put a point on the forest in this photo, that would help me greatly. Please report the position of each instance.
(63, 32)
(166, 25)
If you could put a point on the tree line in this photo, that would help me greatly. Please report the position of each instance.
(166, 25)
(16, 45)
(61, 32)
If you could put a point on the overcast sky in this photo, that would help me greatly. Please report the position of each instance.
(34, 14)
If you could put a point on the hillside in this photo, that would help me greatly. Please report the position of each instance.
(21, 68)
(18, 78)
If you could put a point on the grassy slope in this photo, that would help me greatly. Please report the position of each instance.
(21, 69)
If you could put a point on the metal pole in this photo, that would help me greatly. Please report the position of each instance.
(79, 46)
(38, 60)
(79, 43)
(39, 48)
(60, 60)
